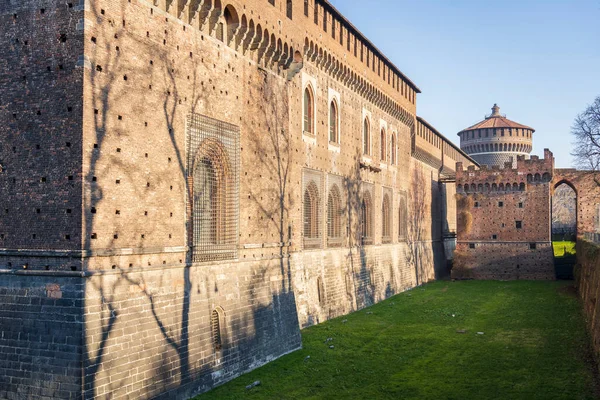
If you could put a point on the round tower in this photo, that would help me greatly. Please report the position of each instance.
(496, 140)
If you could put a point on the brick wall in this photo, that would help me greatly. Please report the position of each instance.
(503, 218)
(41, 114)
(42, 331)
(587, 277)
(147, 329)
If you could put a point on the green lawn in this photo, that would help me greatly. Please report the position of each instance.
(533, 346)
(563, 249)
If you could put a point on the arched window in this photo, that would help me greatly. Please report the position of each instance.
(537, 178)
(529, 178)
(309, 110)
(333, 122)
(366, 219)
(473, 188)
(501, 187)
(311, 217)
(289, 9)
(403, 220)
(494, 187)
(522, 186)
(466, 188)
(366, 137)
(383, 143)
(386, 228)
(515, 187)
(393, 149)
(334, 218)
(480, 188)
(216, 329)
(546, 177)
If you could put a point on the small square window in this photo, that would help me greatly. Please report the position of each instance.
(520, 205)
(476, 204)
(494, 237)
(518, 224)
(500, 204)
(471, 245)
(532, 246)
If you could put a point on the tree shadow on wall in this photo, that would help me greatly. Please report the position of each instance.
(272, 148)
(363, 285)
(418, 256)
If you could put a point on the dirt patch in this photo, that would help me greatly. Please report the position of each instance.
(569, 290)
(444, 290)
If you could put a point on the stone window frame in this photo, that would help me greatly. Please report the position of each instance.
(402, 217)
(334, 97)
(310, 83)
(366, 118)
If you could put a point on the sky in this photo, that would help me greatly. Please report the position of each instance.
(539, 60)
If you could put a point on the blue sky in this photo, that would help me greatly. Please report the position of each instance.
(538, 59)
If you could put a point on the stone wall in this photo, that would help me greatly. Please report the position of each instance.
(587, 277)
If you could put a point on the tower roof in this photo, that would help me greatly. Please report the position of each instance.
(497, 120)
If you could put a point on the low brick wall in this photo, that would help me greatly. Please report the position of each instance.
(587, 277)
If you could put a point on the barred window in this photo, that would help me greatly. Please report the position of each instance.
(366, 219)
(383, 143)
(386, 231)
(334, 218)
(393, 150)
(333, 122)
(213, 183)
(402, 220)
(366, 137)
(311, 217)
(309, 110)
(216, 333)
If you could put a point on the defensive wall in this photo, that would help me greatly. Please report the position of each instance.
(503, 217)
(185, 184)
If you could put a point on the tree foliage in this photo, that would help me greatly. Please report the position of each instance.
(586, 130)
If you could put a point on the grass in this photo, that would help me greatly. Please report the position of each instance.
(563, 249)
(534, 346)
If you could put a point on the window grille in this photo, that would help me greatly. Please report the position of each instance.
(312, 210)
(215, 324)
(308, 110)
(366, 218)
(402, 218)
(333, 122)
(334, 218)
(366, 137)
(386, 229)
(213, 187)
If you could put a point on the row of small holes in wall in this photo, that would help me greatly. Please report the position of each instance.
(5, 236)
(46, 267)
(43, 179)
(118, 212)
(115, 266)
(94, 236)
(39, 112)
(38, 211)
